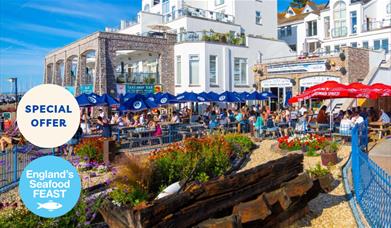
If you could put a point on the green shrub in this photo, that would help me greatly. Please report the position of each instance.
(241, 144)
(317, 171)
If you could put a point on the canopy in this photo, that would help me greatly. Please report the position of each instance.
(89, 100)
(137, 103)
(260, 96)
(191, 97)
(164, 98)
(382, 89)
(228, 97)
(109, 100)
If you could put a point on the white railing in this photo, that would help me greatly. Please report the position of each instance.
(375, 25)
(200, 13)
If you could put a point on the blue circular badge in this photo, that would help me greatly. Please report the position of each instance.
(50, 186)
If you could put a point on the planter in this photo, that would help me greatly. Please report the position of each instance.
(329, 158)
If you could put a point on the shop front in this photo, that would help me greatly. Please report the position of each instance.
(306, 82)
(282, 88)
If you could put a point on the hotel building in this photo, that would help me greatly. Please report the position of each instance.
(174, 46)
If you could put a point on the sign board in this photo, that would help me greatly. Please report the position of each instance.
(287, 68)
(276, 82)
(87, 88)
(7, 115)
(132, 88)
(311, 81)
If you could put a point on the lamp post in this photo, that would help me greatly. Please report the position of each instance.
(15, 81)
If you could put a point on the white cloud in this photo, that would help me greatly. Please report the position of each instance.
(50, 30)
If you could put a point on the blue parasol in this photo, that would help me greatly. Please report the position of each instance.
(89, 100)
(191, 97)
(109, 100)
(228, 97)
(137, 103)
(164, 98)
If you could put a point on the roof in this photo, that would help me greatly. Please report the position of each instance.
(282, 19)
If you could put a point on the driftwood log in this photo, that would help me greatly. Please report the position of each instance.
(277, 184)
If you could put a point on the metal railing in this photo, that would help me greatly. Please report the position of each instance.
(372, 185)
(200, 13)
(12, 163)
(208, 36)
(375, 25)
(138, 78)
(339, 32)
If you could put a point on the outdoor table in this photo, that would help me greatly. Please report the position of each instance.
(379, 126)
(141, 132)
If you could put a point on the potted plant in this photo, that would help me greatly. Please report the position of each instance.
(328, 154)
(323, 175)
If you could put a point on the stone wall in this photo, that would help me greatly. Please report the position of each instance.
(357, 63)
(105, 46)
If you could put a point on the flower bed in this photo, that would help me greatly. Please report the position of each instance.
(309, 142)
(193, 159)
(90, 149)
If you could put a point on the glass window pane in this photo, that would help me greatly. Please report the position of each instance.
(194, 70)
(178, 70)
(212, 69)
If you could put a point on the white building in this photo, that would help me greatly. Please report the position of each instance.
(327, 28)
(218, 41)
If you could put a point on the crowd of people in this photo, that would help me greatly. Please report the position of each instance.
(255, 119)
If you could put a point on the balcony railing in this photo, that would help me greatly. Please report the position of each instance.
(375, 25)
(138, 78)
(200, 13)
(339, 32)
(226, 38)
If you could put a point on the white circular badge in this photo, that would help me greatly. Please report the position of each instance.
(48, 115)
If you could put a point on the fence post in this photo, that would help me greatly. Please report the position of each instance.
(15, 151)
(53, 151)
(355, 161)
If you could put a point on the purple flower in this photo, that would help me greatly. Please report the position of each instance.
(87, 223)
(108, 181)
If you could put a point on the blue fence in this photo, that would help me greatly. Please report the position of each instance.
(372, 185)
(12, 163)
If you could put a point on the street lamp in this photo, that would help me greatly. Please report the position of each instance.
(15, 81)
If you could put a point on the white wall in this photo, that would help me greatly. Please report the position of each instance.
(198, 25)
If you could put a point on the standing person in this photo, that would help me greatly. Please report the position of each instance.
(106, 129)
(258, 125)
(294, 115)
(302, 110)
(322, 117)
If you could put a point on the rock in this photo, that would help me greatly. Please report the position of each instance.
(326, 182)
(231, 221)
(280, 196)
(252, 210)
(298, 186)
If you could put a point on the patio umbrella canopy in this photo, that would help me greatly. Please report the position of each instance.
(191, 97)
(228, 97)
(90, 100)
(137, 103)
(109, 100)
(382, 89)
(164, 98)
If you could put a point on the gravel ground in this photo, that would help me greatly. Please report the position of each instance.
(327, 210)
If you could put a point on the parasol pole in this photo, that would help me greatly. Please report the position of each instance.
(331, 114)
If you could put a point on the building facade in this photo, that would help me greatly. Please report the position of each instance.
(216, 44)
(316, 29)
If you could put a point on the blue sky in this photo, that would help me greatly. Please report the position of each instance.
(31, 28)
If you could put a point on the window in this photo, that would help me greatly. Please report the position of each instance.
(376, 44)
(194, 70)
(155, 2)
(384, 45)
(353, 44)
(289, 30)
(146, 8)
(389, 8)
(339, 19)
(240, 71)
(178, 70)
(365, 44)
(165, 7)
(258, 18)
(311, 28)
(336, 48)
(326, 27)
(282, 31)
(353, 22)
(213, 70)
(219, 2)
(327, 49)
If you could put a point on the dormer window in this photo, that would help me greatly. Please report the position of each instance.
(291, 12)
(155, 2)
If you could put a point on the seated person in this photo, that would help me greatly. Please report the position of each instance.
(12, 137)
(345, 125)
(302, 123)
(384, 117)
(271, 125)
(322, 116)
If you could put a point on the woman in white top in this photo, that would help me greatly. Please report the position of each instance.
(345, 125)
